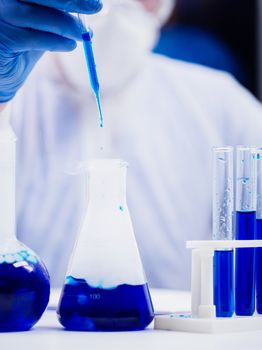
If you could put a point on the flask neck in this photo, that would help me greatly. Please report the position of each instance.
(7, 184)
(107, 183)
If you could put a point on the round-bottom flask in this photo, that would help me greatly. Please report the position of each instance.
(24, 280)
(105, 287)
(24, 288)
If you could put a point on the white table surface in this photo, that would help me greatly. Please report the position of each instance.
(48, 334)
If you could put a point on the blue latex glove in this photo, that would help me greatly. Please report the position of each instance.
(28, 28)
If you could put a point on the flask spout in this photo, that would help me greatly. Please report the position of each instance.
(107, 182)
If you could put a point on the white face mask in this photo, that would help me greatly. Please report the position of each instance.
(165, 9)
(124, 34)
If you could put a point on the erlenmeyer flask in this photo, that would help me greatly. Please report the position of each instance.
(105, 287)
(24, 280)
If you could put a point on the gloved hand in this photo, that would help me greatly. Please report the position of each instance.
(28, 28)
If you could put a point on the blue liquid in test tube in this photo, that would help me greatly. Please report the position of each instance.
(245, 264)
(259, 233)
(259, 268)
(222, 230)
(246, 188)
(223, 283)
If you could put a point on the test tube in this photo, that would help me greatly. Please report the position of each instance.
(222, 230)
(259, 233)
(246, 188)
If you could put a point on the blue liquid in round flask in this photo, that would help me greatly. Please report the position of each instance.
(24, 288)
(24, 280)
(105, 287)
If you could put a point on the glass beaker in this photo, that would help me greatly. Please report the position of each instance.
(105, 287)
(24, 280)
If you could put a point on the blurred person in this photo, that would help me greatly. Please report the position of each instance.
(211, 33)
(196, 45)
(162, 116)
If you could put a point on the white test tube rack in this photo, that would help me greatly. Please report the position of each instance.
(202, 318)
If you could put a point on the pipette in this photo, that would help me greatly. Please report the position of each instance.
(91, 65)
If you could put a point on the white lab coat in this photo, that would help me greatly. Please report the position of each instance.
(164, 122)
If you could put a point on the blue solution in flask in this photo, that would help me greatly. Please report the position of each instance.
(223, 283)
(24, 291)
(245, 264)
(106, 288)
(124, 308)
(259, 268)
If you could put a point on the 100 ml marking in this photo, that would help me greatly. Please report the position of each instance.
(95, 296)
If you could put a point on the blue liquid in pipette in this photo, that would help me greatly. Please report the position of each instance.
(124, 308)
(245, 264)
(223, 283)
(90, 61)
(24, 293)
(259, 268)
